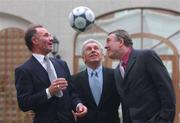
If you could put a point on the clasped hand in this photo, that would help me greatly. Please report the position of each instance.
(81, 110)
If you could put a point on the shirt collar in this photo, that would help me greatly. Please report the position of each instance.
(98, 70)
(125, 58)
(39, 57)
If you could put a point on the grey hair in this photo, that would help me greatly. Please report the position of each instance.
(91, 41)
(120, 33)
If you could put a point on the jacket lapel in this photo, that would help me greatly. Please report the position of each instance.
(131, 61)
(39, 71)
(117, 75)
(118, 80)
(105, 86)
(60, 68)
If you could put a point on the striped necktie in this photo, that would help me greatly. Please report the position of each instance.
(51, 74)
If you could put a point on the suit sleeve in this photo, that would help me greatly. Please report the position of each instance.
(72, 90)
(27, 99)
(163, 84)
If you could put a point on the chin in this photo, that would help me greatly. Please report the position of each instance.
(112, 57)
(50, 50)
(94, 61)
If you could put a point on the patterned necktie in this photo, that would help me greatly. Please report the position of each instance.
(95, 87)
(121, 68)
(51, 74)
(49, 69)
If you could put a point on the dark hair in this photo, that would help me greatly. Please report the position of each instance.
(31, 31)
(122, 34)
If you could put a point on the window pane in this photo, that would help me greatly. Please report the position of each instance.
(160, 22)
(137, 43)
(163, 49)
(168, 65)
(81, 65)
(123, 20)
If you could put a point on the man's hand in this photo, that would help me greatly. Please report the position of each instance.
(58, 85)
(81, 110)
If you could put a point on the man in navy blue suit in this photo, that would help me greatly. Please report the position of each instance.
(146, 87)
(52, 101)
(104, 104)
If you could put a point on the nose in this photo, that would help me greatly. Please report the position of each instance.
(51, 38)
(93, 49)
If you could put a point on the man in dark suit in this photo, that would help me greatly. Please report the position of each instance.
(146, 87)
(105, 110)
(50, 99)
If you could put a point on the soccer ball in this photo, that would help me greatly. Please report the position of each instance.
(81, 18)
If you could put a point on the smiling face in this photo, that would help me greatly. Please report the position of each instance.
(42, 41)
(113, 47)
(92, 54)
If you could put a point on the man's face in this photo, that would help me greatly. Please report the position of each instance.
(42, 41)
(92, 53)
(113, 46)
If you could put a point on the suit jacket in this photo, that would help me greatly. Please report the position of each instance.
(147, 88)
(107, 110)
(31, 81)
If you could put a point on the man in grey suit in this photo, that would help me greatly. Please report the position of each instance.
(105, 108)
(146, 87)
(48, 94)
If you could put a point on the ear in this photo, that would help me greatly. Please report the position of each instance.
(83, 58)
(34, 40)
(121, 42)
